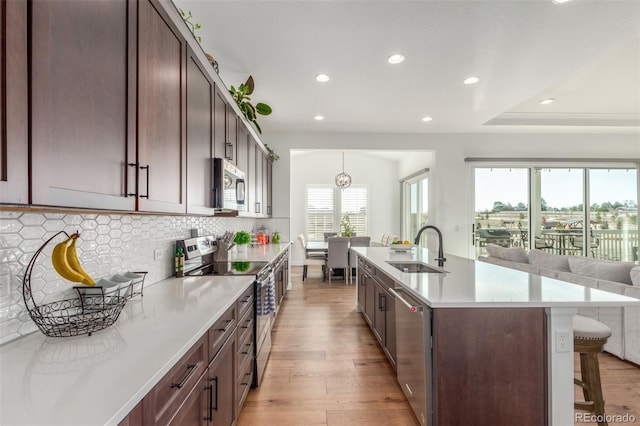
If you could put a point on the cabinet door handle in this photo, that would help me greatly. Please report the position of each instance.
(226, 327)
(246, 352)
(228, 150)
(147, 168)
(268, 209)
(212, 406)
(257, 207)
(191, 368)
(134, 194)
(210, 417)
(247, 375)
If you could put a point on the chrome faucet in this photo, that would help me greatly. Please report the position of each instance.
(441, 259)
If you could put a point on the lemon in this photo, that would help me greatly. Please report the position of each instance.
(406, 242)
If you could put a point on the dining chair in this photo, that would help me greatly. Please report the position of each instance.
(542, 243)
(578, 241)
(328, 235)
(310, 259)
(524, 238)
(338, 256)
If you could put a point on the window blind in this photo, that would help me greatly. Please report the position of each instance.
(322, 214)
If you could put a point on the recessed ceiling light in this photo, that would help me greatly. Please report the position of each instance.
(318, 117)
(427, 118)
(546, 101)
(471, 80)
(395, 59)
(322, 78)
(561, 1)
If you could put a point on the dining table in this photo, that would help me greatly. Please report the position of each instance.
(317, 246)
(562, 240)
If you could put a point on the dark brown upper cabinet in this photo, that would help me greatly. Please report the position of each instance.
(242, 149)
(14, 166)
(199, 102)
(110, 105)
(80, 103)
(161, 162)
(225, 128)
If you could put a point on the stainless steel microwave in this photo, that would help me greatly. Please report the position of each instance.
(229, 186)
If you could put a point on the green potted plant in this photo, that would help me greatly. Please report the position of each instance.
(241, 96)
(347, 230)
(193, 27)
(242, 239)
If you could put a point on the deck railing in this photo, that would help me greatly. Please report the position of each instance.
(607, 244)
(614, 244)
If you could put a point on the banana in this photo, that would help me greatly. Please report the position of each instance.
(61, 265)
(65, 261)
(72, 260)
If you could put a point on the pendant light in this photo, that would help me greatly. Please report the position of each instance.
(343, 180)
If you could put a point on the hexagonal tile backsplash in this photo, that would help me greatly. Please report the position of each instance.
(108, 244)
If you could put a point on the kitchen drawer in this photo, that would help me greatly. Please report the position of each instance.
(245, 349)
(243, 384)
(246, 325)
(245, 302)
(383, 279)
(221, 330)
(164, 400)
(366, 266)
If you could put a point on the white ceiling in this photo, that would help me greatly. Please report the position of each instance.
(585, 54)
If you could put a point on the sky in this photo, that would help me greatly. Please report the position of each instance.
(560, 187)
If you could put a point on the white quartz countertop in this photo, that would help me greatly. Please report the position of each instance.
(467, 283)
(257, 252)
(98, 379)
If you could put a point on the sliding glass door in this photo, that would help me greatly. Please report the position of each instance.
(559, 210)
(501, 208)
(576, 211)
(415, 209)
(613, 201)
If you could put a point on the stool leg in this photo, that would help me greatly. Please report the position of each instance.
(591, 387)
(584, 373)
(304, 272)
(595, 388)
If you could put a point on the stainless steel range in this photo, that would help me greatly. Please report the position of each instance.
(209, 256)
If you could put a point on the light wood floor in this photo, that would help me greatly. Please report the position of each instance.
(326, 368)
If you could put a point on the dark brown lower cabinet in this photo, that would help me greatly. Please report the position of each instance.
(197, 391)
(221, 380)
(167, 397)
(384, 320)
(195, 409)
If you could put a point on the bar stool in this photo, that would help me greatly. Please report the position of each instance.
(589, 337)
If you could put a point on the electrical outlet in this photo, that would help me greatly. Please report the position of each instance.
(157, 254)
(563, 340)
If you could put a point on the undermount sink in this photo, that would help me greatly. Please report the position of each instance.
(416, 267)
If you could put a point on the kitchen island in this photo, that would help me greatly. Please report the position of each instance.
(494, 338)
(99, 379)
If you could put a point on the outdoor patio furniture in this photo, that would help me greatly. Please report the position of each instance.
(498, 236)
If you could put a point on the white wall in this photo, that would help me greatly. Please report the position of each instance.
(450, 176)
(321, 167)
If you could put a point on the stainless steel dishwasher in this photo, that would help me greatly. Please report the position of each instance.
(413, 347)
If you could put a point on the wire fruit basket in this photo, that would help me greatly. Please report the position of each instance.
(70, 317)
